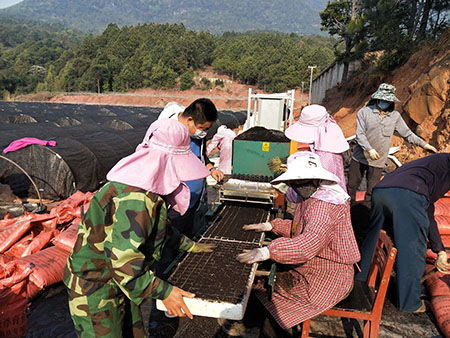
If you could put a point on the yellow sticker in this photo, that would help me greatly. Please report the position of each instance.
(265, 146)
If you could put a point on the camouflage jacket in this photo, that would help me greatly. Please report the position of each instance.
(119, 241)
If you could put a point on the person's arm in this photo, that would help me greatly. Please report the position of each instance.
(213, 145)
(208, 162)
(178, 241)
(217, 174)
(134, 220)
(315, 237)
(402, 129)
(433, 234)
(281, 227)
(361, 128)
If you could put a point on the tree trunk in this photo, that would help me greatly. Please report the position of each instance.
(345, 72)
(348, 50)
(424, 21)
(412, 22)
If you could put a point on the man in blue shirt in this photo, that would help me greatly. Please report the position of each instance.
(198, 117)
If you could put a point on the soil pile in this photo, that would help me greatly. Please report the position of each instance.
(263, 134)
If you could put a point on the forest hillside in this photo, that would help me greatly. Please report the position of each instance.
(215, 16)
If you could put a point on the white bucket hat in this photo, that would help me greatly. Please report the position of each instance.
(305, 165)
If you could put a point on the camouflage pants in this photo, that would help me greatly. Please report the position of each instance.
(105, 313)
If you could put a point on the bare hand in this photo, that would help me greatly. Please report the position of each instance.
(175, 305)
(217, 174)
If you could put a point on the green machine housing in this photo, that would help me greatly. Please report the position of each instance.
(252, 157)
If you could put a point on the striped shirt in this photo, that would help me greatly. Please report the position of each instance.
(375, 132)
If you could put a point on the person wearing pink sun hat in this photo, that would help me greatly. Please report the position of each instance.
(121, 236)
(325, 138)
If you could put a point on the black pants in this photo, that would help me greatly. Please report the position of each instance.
(356, 172)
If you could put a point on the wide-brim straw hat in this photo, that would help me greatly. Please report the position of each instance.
(385, 92)
(305, 165)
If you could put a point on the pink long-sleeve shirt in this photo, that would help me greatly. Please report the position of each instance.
(223, 140)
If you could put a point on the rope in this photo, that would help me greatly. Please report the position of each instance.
(41, 205)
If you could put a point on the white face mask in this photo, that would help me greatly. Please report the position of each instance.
(199, 134)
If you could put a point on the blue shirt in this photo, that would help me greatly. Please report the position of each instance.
(196, 186)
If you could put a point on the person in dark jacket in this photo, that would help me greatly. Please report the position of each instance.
(405, 199)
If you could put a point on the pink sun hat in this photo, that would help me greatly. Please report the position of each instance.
(318, 127)
(161, 163)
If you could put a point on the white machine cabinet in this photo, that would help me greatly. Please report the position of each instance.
(272, 111)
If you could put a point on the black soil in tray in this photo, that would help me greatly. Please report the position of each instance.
(215, 276)
(229, 222)
(263, 135)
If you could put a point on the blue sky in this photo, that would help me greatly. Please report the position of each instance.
(7, 3)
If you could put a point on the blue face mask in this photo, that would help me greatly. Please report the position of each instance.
(383, 105)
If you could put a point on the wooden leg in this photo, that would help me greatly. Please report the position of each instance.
(305, 328)
(366, 329)
(374, 327)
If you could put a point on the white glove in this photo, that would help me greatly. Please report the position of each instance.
(430, 148)
(373, 154)
(258, 227)
(254, 256)
(441, 262)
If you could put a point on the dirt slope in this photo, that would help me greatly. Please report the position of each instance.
(423, 87)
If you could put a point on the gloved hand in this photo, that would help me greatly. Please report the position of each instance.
(254, 256)
(441, 262)
(200, 247)
(258, 227)
(373, 154)
(430, 148)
